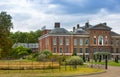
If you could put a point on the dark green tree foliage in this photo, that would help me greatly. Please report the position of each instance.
(25, 37)
(117, 59)
(84, 57)
(20, 52)
(98, 56)
(5, 26)
(74, 53)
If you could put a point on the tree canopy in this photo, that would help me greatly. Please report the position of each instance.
(25, 37)
(5, 27)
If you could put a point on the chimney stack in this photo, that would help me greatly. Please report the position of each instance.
(57, 25)
(78, 26)
(73, 29)
(87, 24)
(105, 23)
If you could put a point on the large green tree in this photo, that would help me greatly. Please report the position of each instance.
(5, 27)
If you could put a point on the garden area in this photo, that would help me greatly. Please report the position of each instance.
(21, 62)
(21, 68)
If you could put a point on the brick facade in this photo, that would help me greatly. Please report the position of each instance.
(82, 40)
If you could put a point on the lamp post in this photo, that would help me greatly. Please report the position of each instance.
(106, 62)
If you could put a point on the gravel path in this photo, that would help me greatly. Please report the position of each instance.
(112, 71)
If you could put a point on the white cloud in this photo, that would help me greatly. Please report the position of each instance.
(32, 15)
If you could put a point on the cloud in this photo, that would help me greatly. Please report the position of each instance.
(33, 14)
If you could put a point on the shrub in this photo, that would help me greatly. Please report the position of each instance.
(116, 59)
(41, 57)
(75, 60)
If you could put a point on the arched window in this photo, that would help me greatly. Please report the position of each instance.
(100, 40)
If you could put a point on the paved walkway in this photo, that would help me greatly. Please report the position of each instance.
(112, 71)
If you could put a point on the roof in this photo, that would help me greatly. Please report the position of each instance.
(26, 45)
(59, 31)
(114, 34)
(100, 26)
(80, 31)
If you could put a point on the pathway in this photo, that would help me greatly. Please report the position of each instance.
(112, 71)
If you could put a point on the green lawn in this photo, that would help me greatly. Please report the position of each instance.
(111, 63)
(81, 70)
(60, 71)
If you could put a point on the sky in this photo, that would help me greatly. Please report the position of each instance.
(31, 15)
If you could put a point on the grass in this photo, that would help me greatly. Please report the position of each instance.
(81, 70)
(44, 72)
(111, 63)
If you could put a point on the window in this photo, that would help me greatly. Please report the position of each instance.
(86, 50)
(117, 50)
(86, 41)
(81, 41)
(61, 40)
(75, 41)
(54, 40)
(106, 40)
(67, 41)
(111, 42)
(94, 40)
(117, 42)
(80, 50)
(67, 50)
(112, 50)
(55, 50)
(60, 50)
(94, 50)
(75, 50)
(100, 40)
(46, 42)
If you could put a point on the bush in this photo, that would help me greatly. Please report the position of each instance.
(75, 60)
(116, 59)
(41, 57)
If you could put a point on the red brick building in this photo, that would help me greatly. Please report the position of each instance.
(86, 39)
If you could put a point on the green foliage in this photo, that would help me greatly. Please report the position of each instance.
(74, 53)
(84, 57)
(25, 37)
(98, 56)
(20, 52)
(44, 55)
(117, 59)
(41, 57)
(5, 26)
(75, 60)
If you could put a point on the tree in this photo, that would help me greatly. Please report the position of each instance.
(117, 59)
(101, 55)
(5, 26)
(20, 52)
(74, 53)
(25, 37)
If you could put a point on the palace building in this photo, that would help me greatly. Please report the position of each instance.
(85, 39)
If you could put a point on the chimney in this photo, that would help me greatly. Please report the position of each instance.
(57, 25)
(87, 24)
(73, 29)
(105, 23)
(78, 26)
